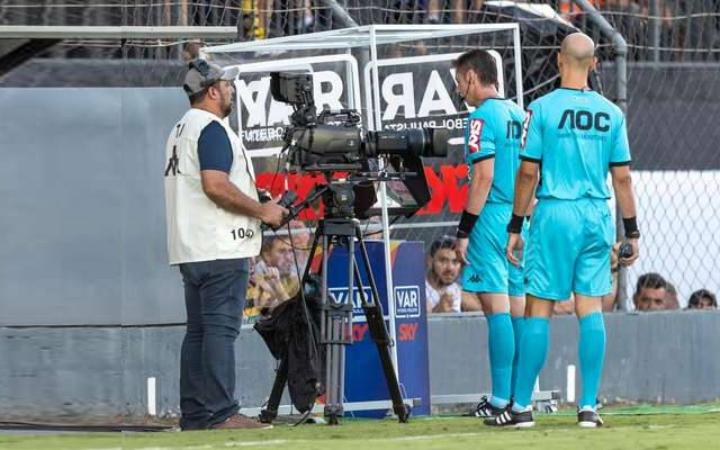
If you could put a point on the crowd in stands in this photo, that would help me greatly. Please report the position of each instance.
(274, 279)
(667, 24)
(652, 292)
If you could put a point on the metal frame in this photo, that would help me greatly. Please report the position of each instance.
(347, 38)
(370, 36)
(121, 32)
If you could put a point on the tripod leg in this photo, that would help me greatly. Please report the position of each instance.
(270, 412)
(379, 333)
(334, 323)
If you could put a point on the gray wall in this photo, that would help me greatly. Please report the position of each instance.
(654, 357)
(82, 233)
(51, 372)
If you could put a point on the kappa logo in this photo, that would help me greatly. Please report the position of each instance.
(476, 126)
(475, 278)
(173, 165)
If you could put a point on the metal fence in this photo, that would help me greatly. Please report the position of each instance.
(672, 80)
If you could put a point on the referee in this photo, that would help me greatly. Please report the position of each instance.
(573, 137)
(213, 224)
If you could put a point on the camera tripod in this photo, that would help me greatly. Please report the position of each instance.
(336, 317)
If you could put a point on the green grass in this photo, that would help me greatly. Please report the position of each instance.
(642, 427)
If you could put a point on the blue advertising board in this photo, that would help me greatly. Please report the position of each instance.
(364, 379)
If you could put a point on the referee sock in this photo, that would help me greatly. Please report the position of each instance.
(517, 324)
(532, 353)
(591, 354)
(502, 350)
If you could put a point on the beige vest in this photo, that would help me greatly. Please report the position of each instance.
(198, 229)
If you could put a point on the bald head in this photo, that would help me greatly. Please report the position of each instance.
(578, 49)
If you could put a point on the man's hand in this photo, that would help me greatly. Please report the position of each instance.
(614, 258)
(272, 214)
(446, 302)
(514, 249)
(629, 260)
(274, 280)
(461, 249)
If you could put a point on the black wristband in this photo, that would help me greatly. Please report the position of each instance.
(467, 222)
(631, 228)
(516, 224)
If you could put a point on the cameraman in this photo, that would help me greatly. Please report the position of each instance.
(213, 221)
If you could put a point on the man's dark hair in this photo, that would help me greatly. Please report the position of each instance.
(650, 280)
(443, 242)
(268, 243)
(198, 96)
(480, 62)
(697, 296)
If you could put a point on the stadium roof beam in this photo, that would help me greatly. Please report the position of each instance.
(120, 32)
(23, 53)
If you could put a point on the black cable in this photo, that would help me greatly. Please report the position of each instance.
(301, 288)
(391, 223)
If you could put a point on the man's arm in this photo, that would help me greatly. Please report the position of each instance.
(217, 186)
(215, 157)
(480, 185)
(480, 155)
(526, 180)
(525, 183)
(622, 185)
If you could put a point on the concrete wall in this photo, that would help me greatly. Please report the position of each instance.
(102, 371)
(83, 227)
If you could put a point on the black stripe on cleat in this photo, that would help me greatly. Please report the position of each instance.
(511, 419)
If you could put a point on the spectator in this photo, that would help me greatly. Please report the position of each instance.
(266, 290)
(650, 292)
(442, 290)
(702, 299)
(274, 275)
(276, 252)
(301, 241)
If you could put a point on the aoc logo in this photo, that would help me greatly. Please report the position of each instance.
(585, 120)
(407, 301)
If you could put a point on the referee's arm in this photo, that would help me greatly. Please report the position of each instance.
(525, 183)
(622, 185)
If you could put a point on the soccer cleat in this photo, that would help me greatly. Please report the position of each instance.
(587, 418)
(486, 409)
(512, 419)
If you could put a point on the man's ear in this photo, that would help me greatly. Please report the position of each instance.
(213, 92)
(593, 65)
